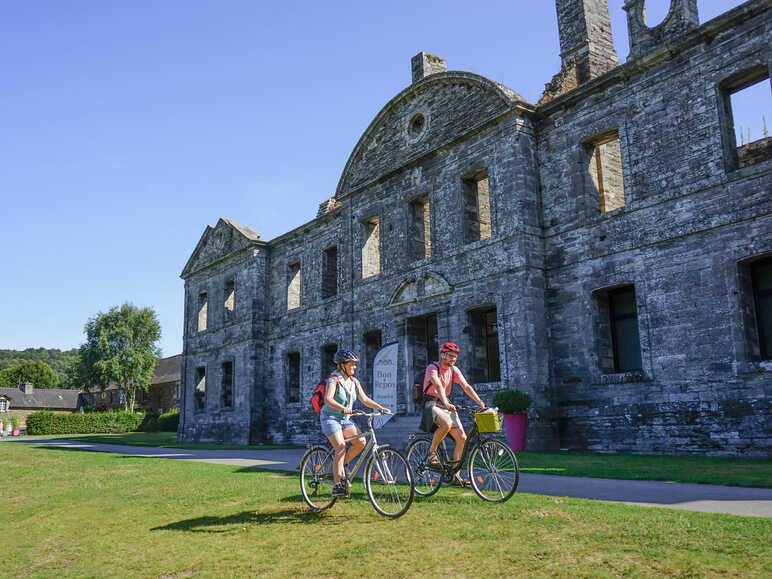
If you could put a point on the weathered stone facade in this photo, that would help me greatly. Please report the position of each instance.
(540, 238)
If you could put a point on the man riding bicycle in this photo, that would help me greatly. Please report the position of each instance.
(439, 413)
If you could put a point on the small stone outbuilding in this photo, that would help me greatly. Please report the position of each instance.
(27, 399)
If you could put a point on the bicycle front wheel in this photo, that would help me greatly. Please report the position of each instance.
(493, 471)
(427, 479)
(316, 480)
(389, 482)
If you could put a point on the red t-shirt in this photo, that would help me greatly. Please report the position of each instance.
(446, 377)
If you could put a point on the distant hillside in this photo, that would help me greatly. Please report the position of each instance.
(57, 359)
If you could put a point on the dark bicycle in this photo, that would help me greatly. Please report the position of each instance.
(492, 466)
(387, 477)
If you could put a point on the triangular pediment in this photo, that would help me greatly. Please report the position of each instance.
(418, 288)
(219, 242)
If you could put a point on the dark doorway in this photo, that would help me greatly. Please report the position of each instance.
(422, 341)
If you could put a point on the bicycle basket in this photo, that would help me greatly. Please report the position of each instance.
(487, 421)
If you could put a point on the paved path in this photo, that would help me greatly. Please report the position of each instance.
(755, 502)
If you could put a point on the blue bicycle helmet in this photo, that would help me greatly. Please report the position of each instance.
(343, 356)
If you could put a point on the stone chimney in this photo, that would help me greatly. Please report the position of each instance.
(27, 388)
(586, 45)
(424, 64)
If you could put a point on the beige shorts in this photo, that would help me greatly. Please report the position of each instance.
(455, 421)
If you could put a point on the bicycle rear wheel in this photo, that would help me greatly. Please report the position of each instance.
(389, 482)
(493, 471)
(316, 480)
(427, 479)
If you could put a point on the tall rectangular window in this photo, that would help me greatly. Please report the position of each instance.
(328, 359)
(227, 384)
(371, 248)
(477, 206)
(330, 273)
(420, 237)
(203, 306)
(484, 359)
(293, 377)
(293, 285)
(605, 169)
(372, 345)
(623, 322)
(747, 103)
(3, 404)
(761, 274)
(200, 391)
(230, 298)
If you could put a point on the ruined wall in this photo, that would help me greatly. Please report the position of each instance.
(689, 219)
(687, 216)
(502, 271)
(236, 337)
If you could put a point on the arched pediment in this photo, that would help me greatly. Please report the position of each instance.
(426, 115)
(417, 288)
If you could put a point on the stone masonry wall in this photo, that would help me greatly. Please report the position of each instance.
(687, 224)
(691, 224)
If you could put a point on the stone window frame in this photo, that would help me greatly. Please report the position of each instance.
(590, 146)
(229, 298)
(327, 277)
(475, 316)
(366, 357)
(600, 324)
(228, 360)
(725, 88)
(294, 285)
(4, 404)
(199, 402)
(475, 175)
(415, 253)
(293, 391)
(202, 309)
(601, 133)
(325, 368)
(365, 224)
(751, 347)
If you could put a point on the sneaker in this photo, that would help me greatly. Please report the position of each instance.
(339, 490)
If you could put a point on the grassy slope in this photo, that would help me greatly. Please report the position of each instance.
(74, 513)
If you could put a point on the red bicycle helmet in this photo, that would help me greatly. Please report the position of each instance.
(450, 347)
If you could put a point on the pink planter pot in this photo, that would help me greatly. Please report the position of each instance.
(515, 426)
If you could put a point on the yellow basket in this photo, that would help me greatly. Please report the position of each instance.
(487, 421)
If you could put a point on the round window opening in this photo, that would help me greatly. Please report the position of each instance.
(417, 125)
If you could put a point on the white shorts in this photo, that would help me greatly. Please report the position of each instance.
(455, 421)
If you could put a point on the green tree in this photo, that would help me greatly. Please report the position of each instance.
(38, 373)
(120, 348)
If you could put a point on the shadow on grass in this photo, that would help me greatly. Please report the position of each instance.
(231, 523)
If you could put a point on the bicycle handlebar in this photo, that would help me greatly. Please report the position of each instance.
(363, 413)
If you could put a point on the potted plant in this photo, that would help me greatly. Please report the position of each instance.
(513, 405)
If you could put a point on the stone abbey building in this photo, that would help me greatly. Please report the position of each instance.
(607, 249)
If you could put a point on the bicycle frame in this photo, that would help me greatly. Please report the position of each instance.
(452, 467)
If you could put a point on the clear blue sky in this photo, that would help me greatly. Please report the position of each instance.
(128, 126)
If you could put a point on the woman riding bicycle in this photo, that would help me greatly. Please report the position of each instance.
(342, 390)
(439, 412)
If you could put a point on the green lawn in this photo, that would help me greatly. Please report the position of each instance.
(694, 469)
(76, 513)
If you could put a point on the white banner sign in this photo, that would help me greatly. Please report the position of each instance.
(385, 380)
